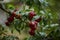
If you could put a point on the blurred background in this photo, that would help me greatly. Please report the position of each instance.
(47, 29)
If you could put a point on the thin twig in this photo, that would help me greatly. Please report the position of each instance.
(4, 9)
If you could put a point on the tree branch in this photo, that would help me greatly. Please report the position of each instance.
(4, 9)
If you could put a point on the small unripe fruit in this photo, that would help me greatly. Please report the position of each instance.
(18, 16)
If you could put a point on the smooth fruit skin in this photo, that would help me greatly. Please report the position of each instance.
(31, 15)
(7, 23)
(33, 25)
(38, 20)
(10, 19)
(13, 14)
(31, 32)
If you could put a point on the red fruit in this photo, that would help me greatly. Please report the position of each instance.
(31, 32)
(10, 19)
(31, 15)
(33, 28)
(7, 23)
(33, 25)
(38, 20)
(13, 14)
